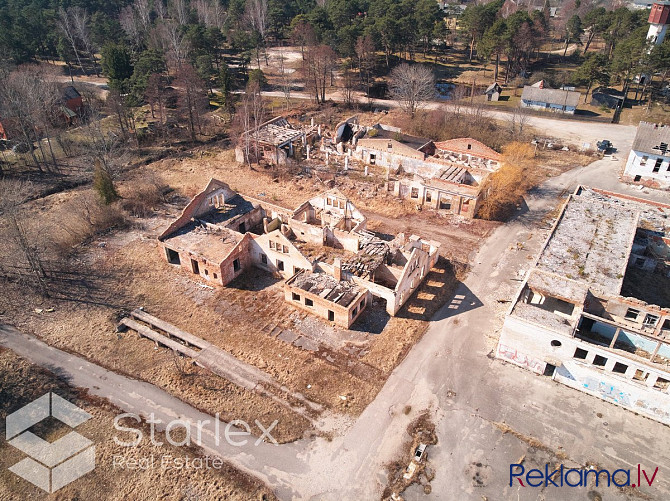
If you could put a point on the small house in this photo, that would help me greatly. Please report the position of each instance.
(493, 91)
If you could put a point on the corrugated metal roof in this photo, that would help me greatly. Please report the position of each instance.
(652, 138)
(550, 96)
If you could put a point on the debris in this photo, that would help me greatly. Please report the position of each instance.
(38, 310)
(206, 286)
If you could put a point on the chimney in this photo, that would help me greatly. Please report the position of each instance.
(337, 268)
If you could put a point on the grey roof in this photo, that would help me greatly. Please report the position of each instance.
(652, 138)
(551, 96)
(494, 87)
(71, 93)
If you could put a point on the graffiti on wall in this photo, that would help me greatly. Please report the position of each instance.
(519, 358)
(607, 391)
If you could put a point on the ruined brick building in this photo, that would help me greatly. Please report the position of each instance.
(331, 263)
(446, 176)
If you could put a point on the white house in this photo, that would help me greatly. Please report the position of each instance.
(649, 159)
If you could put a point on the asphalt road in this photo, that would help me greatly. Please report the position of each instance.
(451, 372)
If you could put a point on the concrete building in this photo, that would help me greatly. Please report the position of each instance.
(594, 312)
(274, 142)
(556, 100)
(221, 233)
(649, 158)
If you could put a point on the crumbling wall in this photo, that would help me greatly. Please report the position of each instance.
(342, 316)
(241, 253)
(292, 259)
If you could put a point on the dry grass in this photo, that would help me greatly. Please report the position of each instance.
(21, 382)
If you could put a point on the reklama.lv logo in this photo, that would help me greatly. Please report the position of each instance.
(577, 477)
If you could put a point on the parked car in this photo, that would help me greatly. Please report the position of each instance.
(604, 146)
(420, 451)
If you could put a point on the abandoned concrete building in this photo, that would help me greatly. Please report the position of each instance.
(321, 248)
(274, 142)
(594, 311)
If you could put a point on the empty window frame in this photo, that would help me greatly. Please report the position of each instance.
(280, 265)
(650, 320)
(620, 368)
(643, 160)
(285, 249)
(580, 354)
(331, 316)
(172, 256)
(309, 302)
(295, 297)
(236, 265)
(600, 360)
(657, 165)
(264, 259)
(272, 245)
(632, 314)
(429, 196)
(414, 193)
(661, 384)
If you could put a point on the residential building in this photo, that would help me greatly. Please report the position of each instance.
(493, 92)
(649, 158)
(593, 312)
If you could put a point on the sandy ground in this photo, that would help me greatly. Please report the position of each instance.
(115, 477)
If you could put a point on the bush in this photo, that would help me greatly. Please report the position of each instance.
(104, 186)
(143, 196)
(83, 217)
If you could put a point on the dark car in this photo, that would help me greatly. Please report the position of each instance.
(604, 146)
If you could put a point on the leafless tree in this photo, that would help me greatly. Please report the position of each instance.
(161, 9)
(143, 11)
(29, 95)
(348, 87)
(80, 23)
(412, 86)
(303, 35)
(210, 13)
(171, 39)
(286, 78)
(365, 52)
(105, 146)
(251, 115)
(130, 24)
(192, 97)
(320, 62)
(256, 14)
(180, 11)
(518, 120)
(13, 194)
(66, 25)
